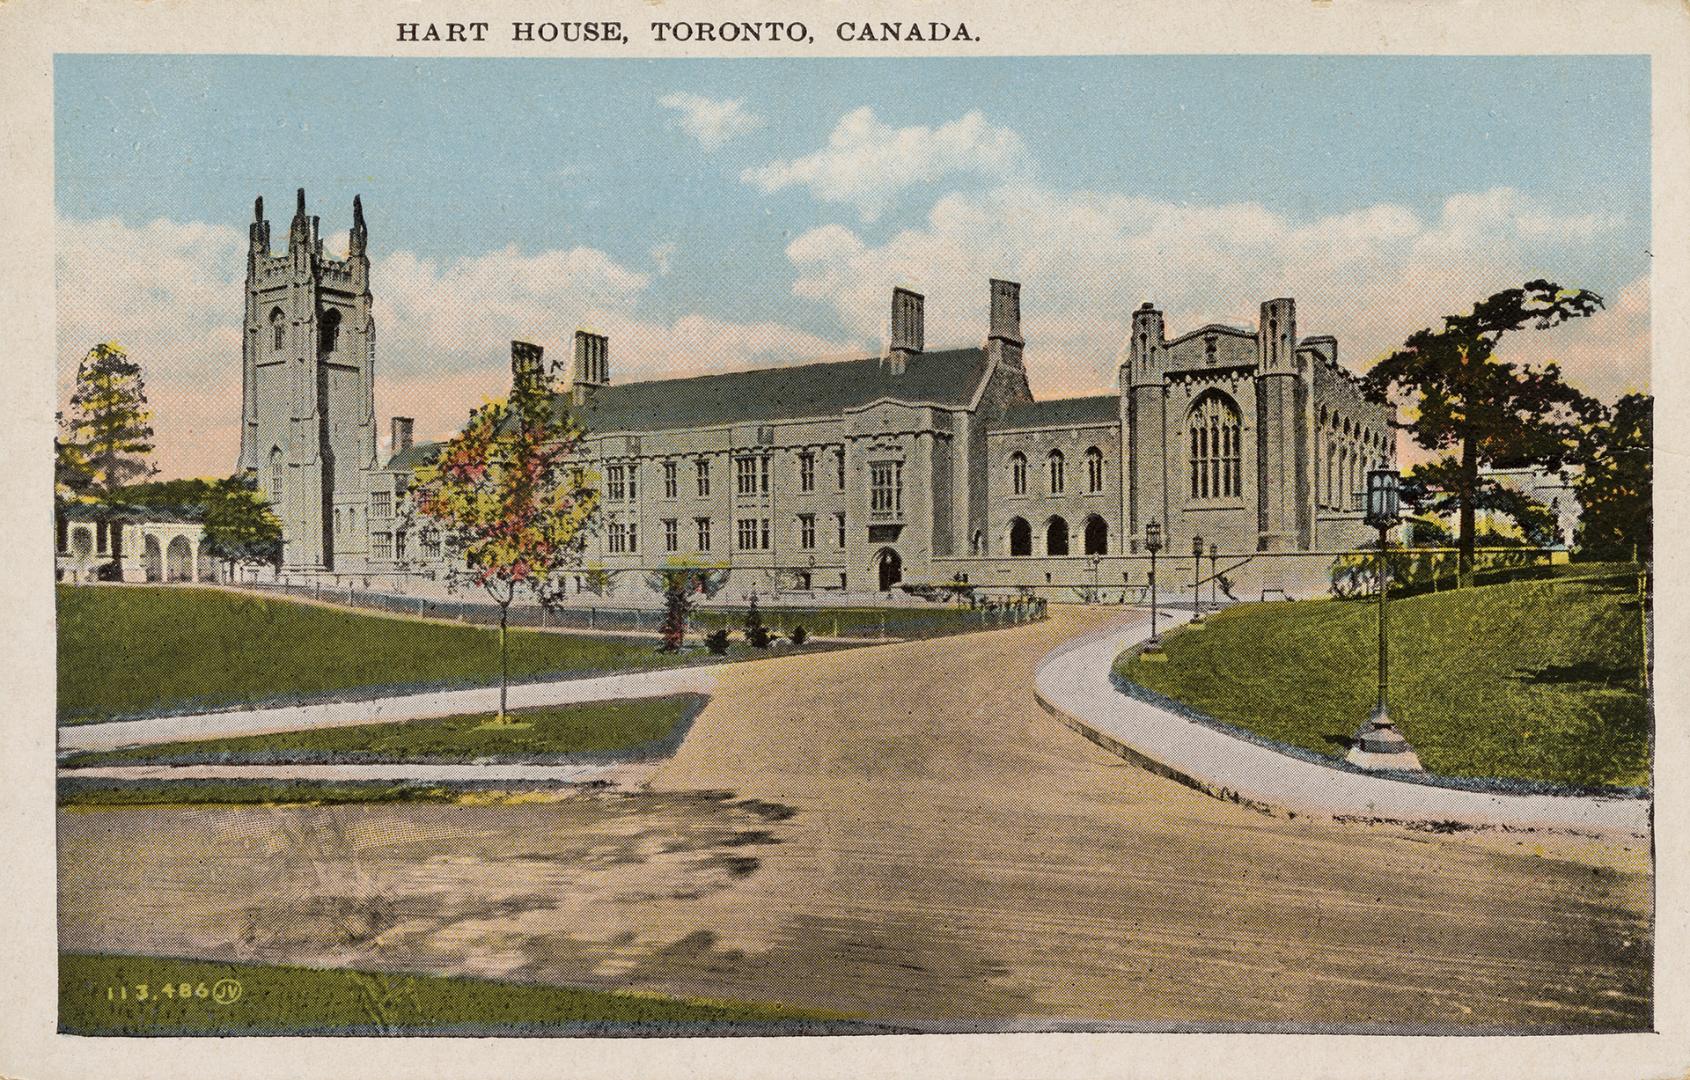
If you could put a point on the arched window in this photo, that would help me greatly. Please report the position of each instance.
(275, 476)
(1056, 537)
(1097, 536)
(1212, 427)
(1094, 470)
(977, 543)
(1331, 473)
(1020, 537)
(328, 331)
(278, 328)
(1018, 473)
(1058, 472)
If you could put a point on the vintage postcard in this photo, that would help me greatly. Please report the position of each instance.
(923, 540)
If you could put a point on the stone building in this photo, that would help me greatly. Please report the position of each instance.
(850, 476)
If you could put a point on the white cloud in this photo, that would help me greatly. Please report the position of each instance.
(172, 294)
(1370, 276)
(866, 163)
(663, 257)
(714, 123)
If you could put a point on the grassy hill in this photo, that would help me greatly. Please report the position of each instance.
(137, 651)
(1533, 680)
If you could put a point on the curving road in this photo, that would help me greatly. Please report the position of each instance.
(900, 833)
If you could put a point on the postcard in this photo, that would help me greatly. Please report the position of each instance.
(652, 539)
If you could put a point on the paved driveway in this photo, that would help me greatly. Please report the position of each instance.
(900, 833)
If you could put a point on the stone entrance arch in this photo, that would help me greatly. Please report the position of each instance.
(152, 559)
(891, 569)
(1056, 536)
(1020, 537)
(179, 560)
(1097, 536)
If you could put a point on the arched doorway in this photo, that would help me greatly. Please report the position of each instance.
(1020, 537)
(179, 560)
(152, 559)
(891, 569)
(1056, 536)
(1097, 536)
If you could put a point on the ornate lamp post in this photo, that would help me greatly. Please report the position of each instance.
(1378, 744)
(1153, 544)
(1196, 581)
(1214, 577)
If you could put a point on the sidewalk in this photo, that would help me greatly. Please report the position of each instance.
(1073, 683)
(700, 679)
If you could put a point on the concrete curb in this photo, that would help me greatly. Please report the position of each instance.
(1073, 684)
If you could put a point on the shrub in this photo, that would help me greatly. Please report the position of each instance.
(716, 641)
(756, 634)
(799, 635)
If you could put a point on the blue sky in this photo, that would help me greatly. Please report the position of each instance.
(758, 195)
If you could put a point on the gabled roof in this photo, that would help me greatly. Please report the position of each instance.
(1063, 412)
(414, 455)
(950, 378)
(1212, 328)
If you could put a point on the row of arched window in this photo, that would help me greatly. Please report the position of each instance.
(328, 330)
(1094, 536)
(1345, 451)
(1056, 472)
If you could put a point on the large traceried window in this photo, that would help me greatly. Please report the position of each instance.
(1212, 428)
(1058, 472)
(276, 477)
(886, 488)
(1018, 473)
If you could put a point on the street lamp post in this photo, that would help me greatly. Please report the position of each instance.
(1214, 576)
(1378, 744)
(1196, 581)
(1153, 544)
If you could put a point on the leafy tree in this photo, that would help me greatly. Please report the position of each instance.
(1480, 411)
(756, 634)
(511, 508)
(239, 527)
(109, 431)
(1616, 489)
(682, 587)
(181, 494)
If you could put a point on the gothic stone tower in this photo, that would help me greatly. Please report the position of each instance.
(308, 387)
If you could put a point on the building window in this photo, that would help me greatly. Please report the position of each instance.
(383, 545)
(616, 482)
(807, 531)
(671, 535)
(806, 471)
(328, 334)
(745, 475)
(1213, 431)
(839, 463)
(624, 538)
(275, 477)
(430, 544)
(1020, 537)
(381, 505)
(278, 328)
(703, 533)
(1058, 472)
(1018, 473)
(703, 470)
(747, 534)
(886, 488)
(671, 480)
(399, 544)
(1094, 470)
(1056, 537)
(839, 522)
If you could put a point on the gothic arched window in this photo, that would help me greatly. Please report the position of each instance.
(1018, 473)
(276, 476)
(1058, 472)
(278, 328)
(328, 331)
(1094, 470)
(1212, 428)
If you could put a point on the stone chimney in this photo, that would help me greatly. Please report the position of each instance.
(592, 365)
(402, 426)
(907, 329)
(527, 374)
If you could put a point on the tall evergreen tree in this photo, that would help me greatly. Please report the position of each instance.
(1481, 411)
(1617, 488)
(109, 431)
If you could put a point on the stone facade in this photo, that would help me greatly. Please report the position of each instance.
(846, 476)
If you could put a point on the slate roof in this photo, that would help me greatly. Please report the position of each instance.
(950, 377)
(1063, 412)
(414, 455)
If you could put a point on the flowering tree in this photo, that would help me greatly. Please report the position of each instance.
(511, 506)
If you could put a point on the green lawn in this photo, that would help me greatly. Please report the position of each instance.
(538, 735)
(1534, 680)
(136, 651)
(92, 793)
(102, 995)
